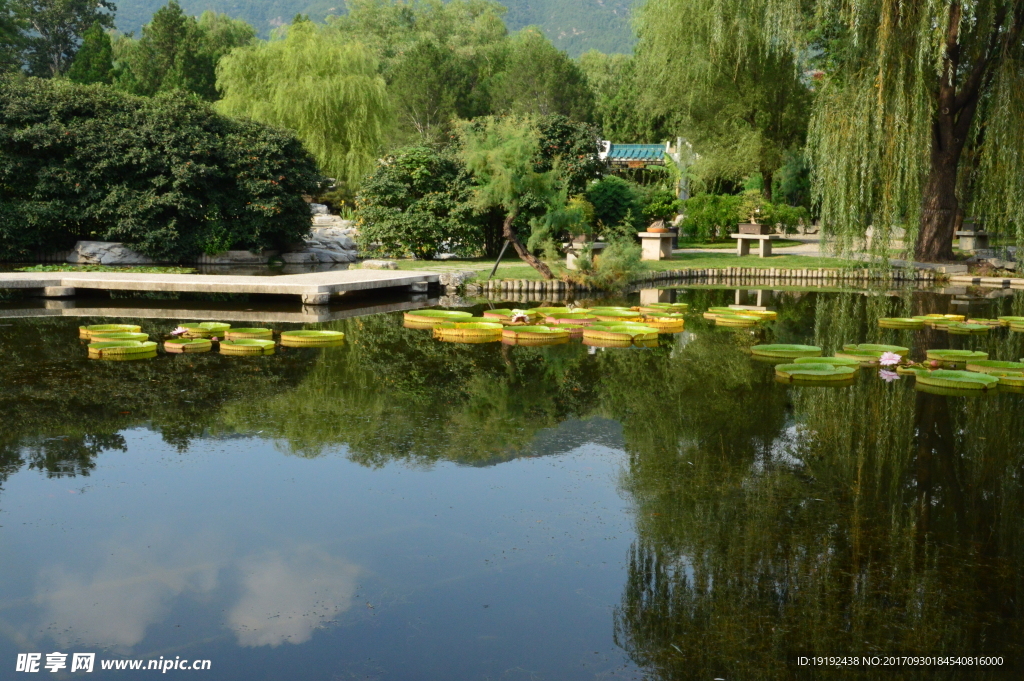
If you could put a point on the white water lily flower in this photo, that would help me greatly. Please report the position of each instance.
(889, 359)
(179, 330)
(520, 316)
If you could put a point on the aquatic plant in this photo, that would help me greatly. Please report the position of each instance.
(786, 351)
(815, 372)
(113, 348)
(87, 331)
(900, 323)
(963, 380)
(186, 345)
(311, 338)
(247, 346)
(955, 359)
(236, 334)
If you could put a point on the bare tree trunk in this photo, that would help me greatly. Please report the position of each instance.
(767, 177)
(530, 259)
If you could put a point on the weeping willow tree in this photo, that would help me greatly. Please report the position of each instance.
(309, 80)
(742, 114)
(917, 117)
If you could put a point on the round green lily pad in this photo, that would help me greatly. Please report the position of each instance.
(786, 351)
(814, 371)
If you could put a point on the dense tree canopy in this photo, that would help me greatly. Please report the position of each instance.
(178, 52)
(417, 202)
(165, 175)
(325, 89)
(538, 79)
(741, 113)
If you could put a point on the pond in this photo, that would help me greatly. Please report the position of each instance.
(401, 508)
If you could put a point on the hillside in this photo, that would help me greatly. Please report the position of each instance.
(573, 25)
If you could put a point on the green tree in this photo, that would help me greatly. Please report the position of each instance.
(57, 28)
(94, 62)
(618, 110)
(539, 79)
(438, 58)
(501, 153)
(310, 81)
(429, 86)
(166, 175)
(177, 52)
(11, 37)
(918, 113)
(742, 113)
(416, 202)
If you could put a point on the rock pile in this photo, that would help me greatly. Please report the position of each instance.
(331, 240)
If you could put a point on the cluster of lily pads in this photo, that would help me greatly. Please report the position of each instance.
(944, 371)
(741, 317)
(126, 341)
(596, 326)
(953, 323)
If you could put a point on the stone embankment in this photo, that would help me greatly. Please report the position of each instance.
(727, 275)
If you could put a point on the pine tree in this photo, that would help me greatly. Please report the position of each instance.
(94, 61)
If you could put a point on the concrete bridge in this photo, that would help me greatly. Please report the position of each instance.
(315, 288)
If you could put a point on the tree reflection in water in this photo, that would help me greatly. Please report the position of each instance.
(877, 520)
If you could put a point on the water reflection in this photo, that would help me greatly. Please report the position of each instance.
(286, 597)
(763, 521)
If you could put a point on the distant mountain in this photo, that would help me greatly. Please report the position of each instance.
(573, 25)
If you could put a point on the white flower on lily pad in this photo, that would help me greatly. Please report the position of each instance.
(178, 330)
(890, 359)
(520, 316)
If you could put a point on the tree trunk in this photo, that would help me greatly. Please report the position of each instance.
(530, 259)
(767, 177)
(939, 208)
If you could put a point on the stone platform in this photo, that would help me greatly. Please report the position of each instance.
(315, 288)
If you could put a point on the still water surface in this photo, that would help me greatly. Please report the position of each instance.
(400, 508)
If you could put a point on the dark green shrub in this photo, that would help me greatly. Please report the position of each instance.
(614, 198)
(660, 204)
(417, 202)
(166, 175)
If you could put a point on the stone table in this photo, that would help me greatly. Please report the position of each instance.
(764, 245)
(656, 245)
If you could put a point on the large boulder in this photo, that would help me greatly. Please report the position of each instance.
(106, 253)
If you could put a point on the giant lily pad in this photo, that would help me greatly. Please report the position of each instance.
(991, 366)
(786, 351)
(127, 347)
(238, 334)
(959, 380)
(247, 346)
(900, 323)
(87, 331)
(814, 372)
(311, 338)
(956, 359)
(421, 318)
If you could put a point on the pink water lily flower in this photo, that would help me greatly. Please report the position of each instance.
(889, 359)
(888, 376)
(179, 330)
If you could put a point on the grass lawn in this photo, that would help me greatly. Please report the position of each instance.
(513, 268)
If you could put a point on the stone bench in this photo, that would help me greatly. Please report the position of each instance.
(764, 246)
